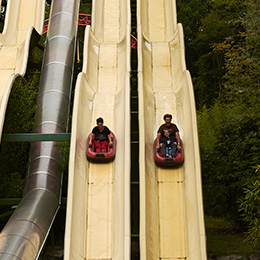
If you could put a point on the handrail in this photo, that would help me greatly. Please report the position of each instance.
(35, 137)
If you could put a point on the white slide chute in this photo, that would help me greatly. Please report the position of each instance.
(98, 207)
(171, 210)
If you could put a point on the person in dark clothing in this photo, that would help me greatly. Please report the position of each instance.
(168, 144)
(100, 137)
(173, 129)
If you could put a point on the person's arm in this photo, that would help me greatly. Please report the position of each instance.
(174, 140)
(162, 142)
(92, 136)
(178, 140)
(109, 139)
(158, 140)
(108, 133)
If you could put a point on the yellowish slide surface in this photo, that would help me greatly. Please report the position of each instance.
(171, 210)
(22, 16)
(98, 206)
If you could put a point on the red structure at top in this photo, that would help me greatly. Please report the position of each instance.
(84, 20)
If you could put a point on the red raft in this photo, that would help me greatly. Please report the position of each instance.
(107, 156)
(168, 161)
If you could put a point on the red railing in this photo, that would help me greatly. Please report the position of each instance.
(84, 20)
(133, 42)
(45, 26)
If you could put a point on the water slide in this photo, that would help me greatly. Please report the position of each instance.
(22, 19)
(98, 200)
(98, 210)
(171, 210)
(26, 231)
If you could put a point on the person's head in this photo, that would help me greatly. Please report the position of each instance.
(167, 118)
(100, 122)
(166, 133)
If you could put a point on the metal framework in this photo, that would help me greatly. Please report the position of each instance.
(133, 42)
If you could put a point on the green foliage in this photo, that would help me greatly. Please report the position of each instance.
(227, 90)
(190, 14)
(242, 68)
(230, 148)
(249, 207)
(64, 148)
(206, 24)
(19, 119)
(223, 239)
(85, 8)
(207, 128)
(12, 185)
(219, 223)
(22, 105)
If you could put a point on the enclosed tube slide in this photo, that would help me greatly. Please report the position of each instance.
(24, 234)
(23, 20)
(171, 210)
(98, 205)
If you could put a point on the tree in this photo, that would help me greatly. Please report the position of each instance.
(230, 147)
(205, 24)
(242, 63)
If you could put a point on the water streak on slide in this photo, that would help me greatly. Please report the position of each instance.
(98, 206)
(23, 19)
(24, 234)
(171, 210)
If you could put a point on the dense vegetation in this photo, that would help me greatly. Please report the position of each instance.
(222, 49)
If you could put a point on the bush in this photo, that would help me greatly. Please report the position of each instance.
(19, 119)
(249, 207)
(230, 146)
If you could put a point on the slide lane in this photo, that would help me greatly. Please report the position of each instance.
(23, 17)
(98, 207)
(171, 210)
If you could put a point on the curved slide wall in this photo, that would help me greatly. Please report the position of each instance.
(21, 19)
(171, 210)
(98, 206)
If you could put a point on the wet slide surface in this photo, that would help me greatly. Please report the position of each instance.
(98, 207)
(171, 211)
(22, 16)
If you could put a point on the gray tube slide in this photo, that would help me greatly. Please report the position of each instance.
(25, 233)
